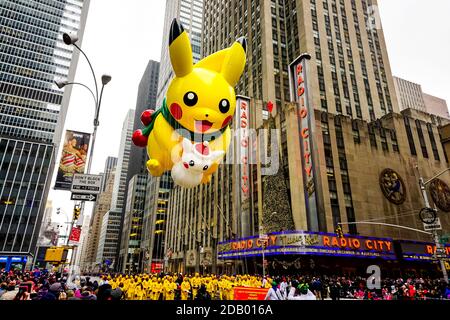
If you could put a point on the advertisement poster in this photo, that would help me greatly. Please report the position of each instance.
(75, 234)
(73, 158)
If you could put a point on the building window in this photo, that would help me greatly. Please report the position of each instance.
(409, 134)
(355, 131)
(421, 139)
(433, 142)
(372, 137)
(394, 141)
(383, 138)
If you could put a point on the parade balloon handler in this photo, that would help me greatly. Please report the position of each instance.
(199, 106)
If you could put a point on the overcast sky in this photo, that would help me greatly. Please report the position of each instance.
(122, 36)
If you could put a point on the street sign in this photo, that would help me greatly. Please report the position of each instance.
(83, 197)
(86, 183)
(441, 253)
(432, 227)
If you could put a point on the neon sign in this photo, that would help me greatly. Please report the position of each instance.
(243, 144)
(315, 212)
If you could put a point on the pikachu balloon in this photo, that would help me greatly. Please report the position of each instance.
(199, 106)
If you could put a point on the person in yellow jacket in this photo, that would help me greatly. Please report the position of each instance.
(169, 289)
(210, 288)
(226, 288)
(232, 285)
(223, 288)
(157, 289)
(185, 288)
(196, 283)
(146, 287)
(150, 289)
(257, 282)
(245, 281)
(140, 292)
(215, 283)
(165, 283)
(131, 290)
(268, 283)
(126, 284)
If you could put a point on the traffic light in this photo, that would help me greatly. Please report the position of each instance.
(76, 212)
(339, 231)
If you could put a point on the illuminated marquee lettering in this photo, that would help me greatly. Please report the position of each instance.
(431, 249)
(327, 244)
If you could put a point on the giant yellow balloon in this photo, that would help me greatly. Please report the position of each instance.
(198, 108)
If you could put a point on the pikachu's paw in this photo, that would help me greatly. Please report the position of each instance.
(206, 178)
(154, 167)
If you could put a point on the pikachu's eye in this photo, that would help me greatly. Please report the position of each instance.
(190, 99)
(205, 168)
(224, 105)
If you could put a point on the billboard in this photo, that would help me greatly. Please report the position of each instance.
(73, 158)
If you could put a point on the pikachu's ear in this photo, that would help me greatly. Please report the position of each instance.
(180, 50)
(234, 62)
(187, 145)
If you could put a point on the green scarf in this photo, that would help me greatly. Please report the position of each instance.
(188, 134)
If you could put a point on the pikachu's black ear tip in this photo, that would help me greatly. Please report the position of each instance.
(243, 42)
(175, 30)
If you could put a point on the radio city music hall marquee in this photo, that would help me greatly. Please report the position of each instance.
(302, 242)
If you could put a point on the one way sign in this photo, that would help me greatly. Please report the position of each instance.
(83, 197)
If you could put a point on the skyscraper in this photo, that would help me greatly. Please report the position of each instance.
(110, 166)
(436, 106)
(132, 228)
(108, 239)
(101, 208)
(120, 179)
(190, 13)
(409, 95)
(119, 195)
(153, 243)
(137, 168)
(146, 99)
(32, 110)
(108, 171)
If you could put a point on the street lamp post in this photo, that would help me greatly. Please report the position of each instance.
(264, 237)
(439, 248)
(230, 232)
(71, 39)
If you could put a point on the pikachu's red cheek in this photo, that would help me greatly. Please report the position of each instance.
(226, 121)
(176, 111)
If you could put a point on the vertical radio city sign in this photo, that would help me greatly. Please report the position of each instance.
(242, 122)
(298, 74)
